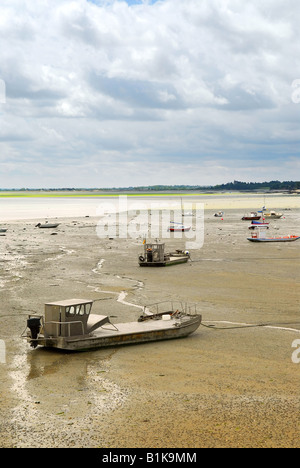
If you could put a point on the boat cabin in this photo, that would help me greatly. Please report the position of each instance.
(71, 318)
(154, 252)
(259, 232)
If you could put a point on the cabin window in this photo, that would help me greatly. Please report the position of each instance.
(70, 311)
(73, 310)
(79, 309)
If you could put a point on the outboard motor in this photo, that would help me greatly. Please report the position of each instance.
(34, 325)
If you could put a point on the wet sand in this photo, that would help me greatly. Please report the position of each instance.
(227, 385)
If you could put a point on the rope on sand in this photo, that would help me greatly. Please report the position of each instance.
(273, 325)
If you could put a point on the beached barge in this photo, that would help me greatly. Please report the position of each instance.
(69, 325)
(154, 256)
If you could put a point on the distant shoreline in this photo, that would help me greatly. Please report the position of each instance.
(132, 193)
(236, 187)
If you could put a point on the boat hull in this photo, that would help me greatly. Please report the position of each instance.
(172, 261)
(127, 334)
(47, 226)
(275, 239)
(255, 226)
(272, 216)
(259, 223)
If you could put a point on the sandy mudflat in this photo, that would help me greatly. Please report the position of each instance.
(230, 386)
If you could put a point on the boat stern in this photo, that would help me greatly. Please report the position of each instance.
(34, 326)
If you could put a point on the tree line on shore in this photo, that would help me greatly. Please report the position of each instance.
(274, 185)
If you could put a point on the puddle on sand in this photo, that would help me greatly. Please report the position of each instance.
(55, 390)
(11, 267)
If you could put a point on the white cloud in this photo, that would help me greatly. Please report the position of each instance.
(109, 85)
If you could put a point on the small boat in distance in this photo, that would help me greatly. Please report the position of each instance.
(264, 208)
(2, 230)
(154, 256)
(47, 225)
(251, 217)
(219, 214)
(259, 235)
(69, 325)
(256, 224)
(272, 215)
(178, 227)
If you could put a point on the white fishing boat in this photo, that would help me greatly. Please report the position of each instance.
(154, 255)
(178, 227)
(272, 215)
(69, 325)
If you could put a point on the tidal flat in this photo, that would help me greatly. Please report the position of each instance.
(232, 383)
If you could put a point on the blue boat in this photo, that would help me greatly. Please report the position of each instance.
(259, 235)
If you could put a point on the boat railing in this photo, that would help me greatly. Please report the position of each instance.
(63, 323)
(171, 306)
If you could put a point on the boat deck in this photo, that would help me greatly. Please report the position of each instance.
(139, 327)
(172, 260)
(178, 257)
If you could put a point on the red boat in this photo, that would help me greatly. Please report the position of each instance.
(253, 216)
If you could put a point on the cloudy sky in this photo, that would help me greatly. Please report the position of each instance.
(109, 93)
